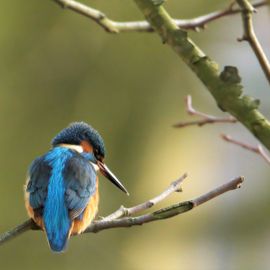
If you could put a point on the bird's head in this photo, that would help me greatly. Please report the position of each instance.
(84, 139)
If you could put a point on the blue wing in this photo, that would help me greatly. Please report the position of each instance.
(37, 186)
(79, 178)
(80, 183)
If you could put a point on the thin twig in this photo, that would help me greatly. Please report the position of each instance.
(18, 230)
(142, 26)
(175, 186)
(250, 36)
(167, 212)
(256, 149)
(163, 213)
(205, 118)
(231, 185)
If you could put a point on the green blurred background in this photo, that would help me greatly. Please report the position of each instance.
(57, 67)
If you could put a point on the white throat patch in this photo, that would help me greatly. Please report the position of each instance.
(77, 148)
(95, 166)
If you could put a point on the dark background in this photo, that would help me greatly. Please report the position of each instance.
(57, 67)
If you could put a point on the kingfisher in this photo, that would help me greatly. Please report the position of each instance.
(61, 191)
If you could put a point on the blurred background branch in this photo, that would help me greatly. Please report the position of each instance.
(112, 26)
(205, 118)
(255, 149)
(250, 36)
(113, 220)
(210, 119)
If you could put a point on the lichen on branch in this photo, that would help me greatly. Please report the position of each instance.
(225, 86)
(122, 218)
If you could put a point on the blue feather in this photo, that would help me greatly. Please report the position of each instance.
(56, 217)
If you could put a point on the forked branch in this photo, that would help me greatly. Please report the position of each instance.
(175, 186)
(204, 118)
(112, 26)
(167, 212)
(121, 218)
(258, 149)
(250, 36)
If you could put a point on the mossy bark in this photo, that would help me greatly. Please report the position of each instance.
(224, 86)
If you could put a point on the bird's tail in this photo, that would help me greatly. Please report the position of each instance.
(57, 237)
(56, 218)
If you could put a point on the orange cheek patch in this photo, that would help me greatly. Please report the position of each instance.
(87, 147)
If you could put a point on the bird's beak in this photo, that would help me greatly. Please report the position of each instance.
(109, 175)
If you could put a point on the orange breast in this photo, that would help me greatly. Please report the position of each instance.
(38, 219)
(78, 226)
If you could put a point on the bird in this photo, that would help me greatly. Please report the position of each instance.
(61, 191)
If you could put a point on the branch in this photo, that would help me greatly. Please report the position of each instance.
(167, 212)
(250, 36)
(20, 229)
(205, 118)
(175, 186)
(164, 213)
(224, 86)
(256, 149)
(143, 26)
(231, 185)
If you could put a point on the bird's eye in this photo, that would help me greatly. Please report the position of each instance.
(97, 154)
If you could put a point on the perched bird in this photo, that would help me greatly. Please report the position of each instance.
(61, 192)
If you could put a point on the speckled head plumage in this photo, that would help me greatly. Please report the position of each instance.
(77, 132)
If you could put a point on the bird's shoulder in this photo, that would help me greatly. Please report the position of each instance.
(39, 175)
(80, 183)
(78, 174)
